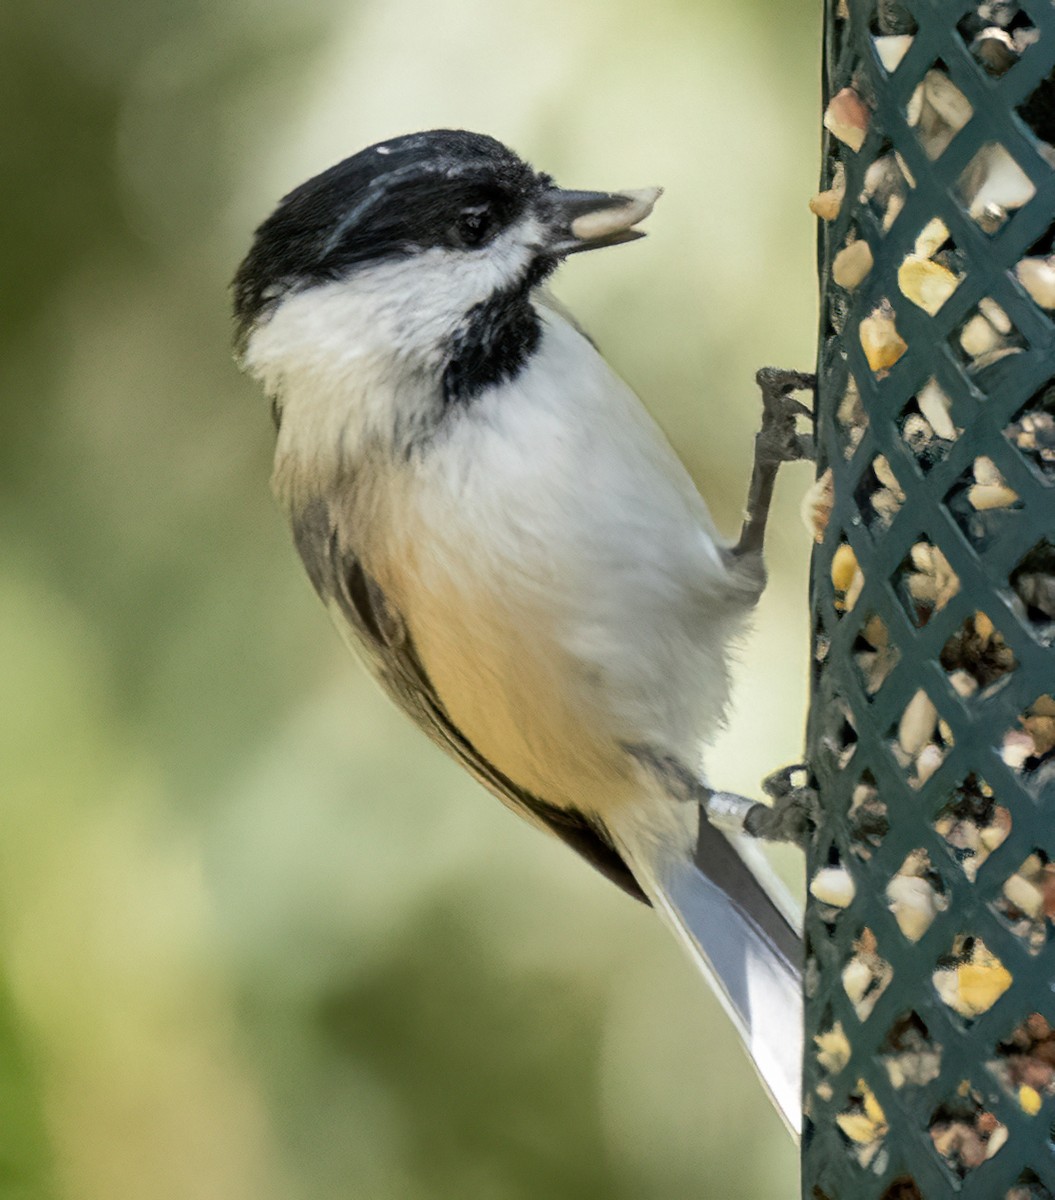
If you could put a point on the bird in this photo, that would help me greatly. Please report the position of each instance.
(507, 540)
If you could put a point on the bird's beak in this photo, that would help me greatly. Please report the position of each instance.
(589, 220)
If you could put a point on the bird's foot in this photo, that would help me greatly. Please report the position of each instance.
(777, 441)
(794, 812)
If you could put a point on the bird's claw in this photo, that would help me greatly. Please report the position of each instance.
(779, 440)
(777, 381)
(794, 813)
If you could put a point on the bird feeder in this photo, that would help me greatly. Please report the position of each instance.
(930, 947)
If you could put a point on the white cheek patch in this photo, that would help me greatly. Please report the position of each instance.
(406, 309)
(446, 283)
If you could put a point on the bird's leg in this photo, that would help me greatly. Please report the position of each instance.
(778, 441)
(792, 817)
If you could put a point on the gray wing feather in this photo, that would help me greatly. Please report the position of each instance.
(388, 648)
(744, 944)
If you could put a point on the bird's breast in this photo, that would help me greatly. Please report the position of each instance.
(558, 573)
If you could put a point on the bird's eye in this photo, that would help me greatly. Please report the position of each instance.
(474, 225)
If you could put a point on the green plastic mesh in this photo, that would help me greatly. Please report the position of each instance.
(930, 1060)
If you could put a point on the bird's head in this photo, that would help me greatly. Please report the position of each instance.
(397, 244)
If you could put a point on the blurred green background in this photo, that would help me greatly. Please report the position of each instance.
(257, 937)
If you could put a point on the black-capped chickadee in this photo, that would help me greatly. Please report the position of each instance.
(507, 539)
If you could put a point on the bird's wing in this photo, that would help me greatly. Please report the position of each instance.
(745, 946)
(384, 642)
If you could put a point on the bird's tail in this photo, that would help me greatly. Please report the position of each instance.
(743, 941)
